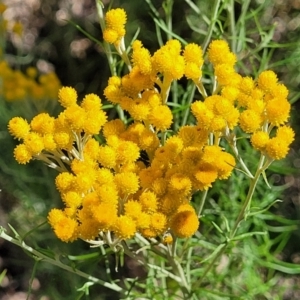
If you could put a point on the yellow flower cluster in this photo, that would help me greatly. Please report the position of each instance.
(45, 137)
(139, 179)
(19, 86)
(106, 188)
(256, 106)
(115, 20)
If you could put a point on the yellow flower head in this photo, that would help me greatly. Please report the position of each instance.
(280, 91)
(225, 165)
(72, 199)
(132, 209)
(67, 96)
(18, 127)
(55, 215)
(180, 184)
(105, 214)
(203, 115)
(147, 176)
(250, 121)
(168, 204)
(259, 140)
(108, 193)
(115, 20)
(193, 53)
(148, 140)
(104, 176)
(286, 133)
(85, 180)
(34, 142)
(168, 239)
(89, 201)
(42, 123)
(127, 183)
(49, 143)
(91, 149)
(88, 228)
(158, 223)
(113, 91)
(204, 176)
(91, 102)
(94, 121)
(113, 127)
(148, 201)
(75, 117)
(139, 109)
(192, 154)
(22, 154)
(64, 181)
(168, 61)
(161, 117)
(226, 75)
(64, 227)
(277, 147)
(63, 139)
(247, 85)
(127, 152)
(107, 157)
(159, 186)
(192, 71)
(31, 72)
(219, 53)
(124, 227)
(141, 58)
(184, 224)
(230, 92)
(278, 111)
(267, 80)
(174, 144)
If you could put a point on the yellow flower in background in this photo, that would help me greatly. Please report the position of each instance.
(3, 8)
(18, 28)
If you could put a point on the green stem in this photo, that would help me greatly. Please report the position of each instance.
(168, 6)
(260, 169)
(202, 202)
(39, 256)
(121, 49)
(242, 214)
(231, 16)
(201, 89)
(208, 268)
(231, 139)
(191, 91)
(107, 48)
(212, 24)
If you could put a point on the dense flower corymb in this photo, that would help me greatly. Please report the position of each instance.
(116, 178)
